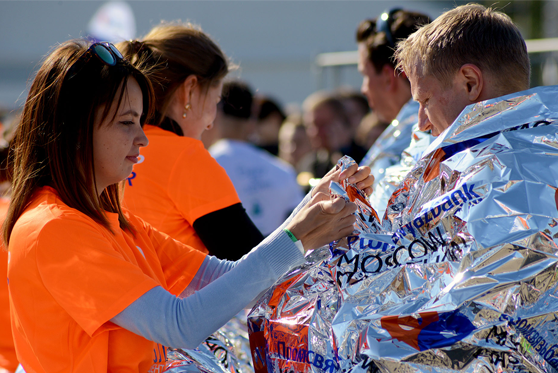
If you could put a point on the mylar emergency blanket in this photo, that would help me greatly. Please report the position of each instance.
(462, 274)
(225, 351)
(387, 149)
(393, 175)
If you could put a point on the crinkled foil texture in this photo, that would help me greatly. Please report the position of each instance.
(386, 150)
(225, 351)
(393, 175)
(461, 275)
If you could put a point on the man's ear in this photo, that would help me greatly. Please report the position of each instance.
(472, 80)
(389, 76)
(187, 88)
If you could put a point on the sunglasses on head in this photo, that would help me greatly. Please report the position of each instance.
(383, 24)
(105, 52)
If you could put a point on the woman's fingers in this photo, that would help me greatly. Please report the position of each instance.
(323, 185)
(368, 191)
(348, 173)
(360, 176)
(324, 222)
(333, 207)
(320, 196)
(346, 231)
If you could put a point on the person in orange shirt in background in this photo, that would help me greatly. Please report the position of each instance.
(178, 187)
(94, 288)
(8, 358)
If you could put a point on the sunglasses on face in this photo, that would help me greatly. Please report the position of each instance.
(383, 24)
(105, 52)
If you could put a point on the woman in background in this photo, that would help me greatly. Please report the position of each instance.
(178, 187)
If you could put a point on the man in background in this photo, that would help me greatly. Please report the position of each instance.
(266, 185)
(388, 92)
(330, 132)
(269, 118)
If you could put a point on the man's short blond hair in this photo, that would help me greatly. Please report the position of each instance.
(468, 34)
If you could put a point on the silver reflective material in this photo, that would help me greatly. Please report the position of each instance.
(386, 150)
(462, 276)
(235, 334)
(367, 218)
(393, 175)
(216, 354)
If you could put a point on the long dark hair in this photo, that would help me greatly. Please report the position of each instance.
(53, 143)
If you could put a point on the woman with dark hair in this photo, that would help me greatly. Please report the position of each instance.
(94, 288)
(178, 187)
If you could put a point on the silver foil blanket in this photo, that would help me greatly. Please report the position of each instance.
(386, 150)
(225, 351)
(367, 217)
(462, 275)
(393, 175)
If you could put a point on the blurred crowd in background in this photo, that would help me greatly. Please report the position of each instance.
(311, 138)
(296, 145)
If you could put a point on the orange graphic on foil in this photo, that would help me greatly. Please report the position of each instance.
(354, 195)
(281, 291)
(407, 329)
(404, 189)
(433, 168)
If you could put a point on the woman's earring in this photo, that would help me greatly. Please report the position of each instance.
(187, 107)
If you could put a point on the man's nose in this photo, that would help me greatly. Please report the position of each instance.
(423, 121)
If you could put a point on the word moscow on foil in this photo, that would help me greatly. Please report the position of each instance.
(459, 275)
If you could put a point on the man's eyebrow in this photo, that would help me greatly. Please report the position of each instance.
(418, 95)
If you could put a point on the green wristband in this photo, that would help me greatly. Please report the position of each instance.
(291, 235)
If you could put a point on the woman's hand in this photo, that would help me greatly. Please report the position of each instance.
(360, 176)
(323, 220)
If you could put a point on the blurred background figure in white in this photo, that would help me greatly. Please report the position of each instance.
(266, 185)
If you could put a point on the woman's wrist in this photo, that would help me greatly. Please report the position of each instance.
(295, 240)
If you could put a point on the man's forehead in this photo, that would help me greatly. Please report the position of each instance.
(414, 70)
(362, 55)
(417, 83)
(421, 84)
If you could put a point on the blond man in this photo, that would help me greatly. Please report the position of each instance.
(475, 219)
(468, 54)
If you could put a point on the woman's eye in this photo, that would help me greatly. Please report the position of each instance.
(128, 122)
